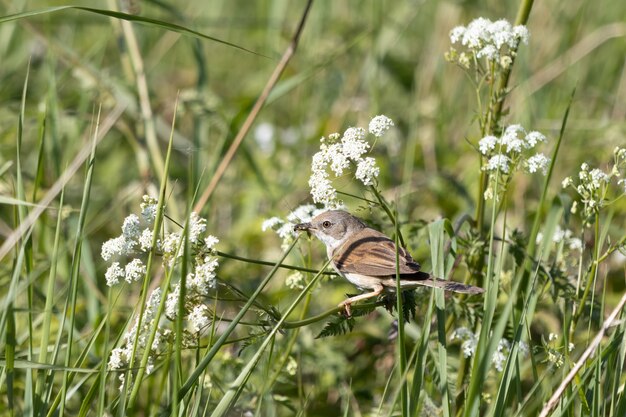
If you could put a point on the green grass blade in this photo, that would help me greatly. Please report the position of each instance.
(76, 261)
(236, 387)
(436, 233)
(129, 17)
(219, 343)
(48, 313)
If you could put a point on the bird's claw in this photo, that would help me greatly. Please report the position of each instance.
(347, 310)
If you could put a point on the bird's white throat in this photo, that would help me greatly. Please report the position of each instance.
(331, 243)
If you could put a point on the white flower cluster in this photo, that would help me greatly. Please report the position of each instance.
(121, 356)
(496, 42)
(135, 241)
(295, 281)
(565, 236)
(470, 341)
(339, 152)
(284, 227)
(197, 286)
(505, 154)
(593, 184)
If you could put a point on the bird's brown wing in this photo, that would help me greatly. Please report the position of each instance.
(373, 254)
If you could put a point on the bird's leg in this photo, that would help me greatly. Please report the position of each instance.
(348, 302)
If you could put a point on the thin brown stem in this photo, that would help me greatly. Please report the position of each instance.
(522, 18)
(581, 362)
(258, 105)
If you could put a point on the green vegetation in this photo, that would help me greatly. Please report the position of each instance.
(117, 124)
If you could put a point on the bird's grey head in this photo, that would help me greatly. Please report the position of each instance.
(333, 227)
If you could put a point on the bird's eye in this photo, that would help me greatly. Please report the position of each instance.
(326, 224)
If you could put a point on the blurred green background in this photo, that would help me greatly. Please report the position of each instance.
(356, 59)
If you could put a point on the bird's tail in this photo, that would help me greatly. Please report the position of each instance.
(428, 280)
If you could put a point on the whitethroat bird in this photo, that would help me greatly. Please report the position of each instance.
(367, 258)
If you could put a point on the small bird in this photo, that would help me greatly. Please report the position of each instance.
(367, 258)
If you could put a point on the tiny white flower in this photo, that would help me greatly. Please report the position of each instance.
(198, 319)
(353, 145)
(117, 359)
(575, 244)
(171, 303)
(304, 213)
(271, 223)
(487, 144)
(339, 160)
(538, 162)
(498, 360)
(456, 34)
(153, 303)
(130, 228)
(567, 181)
(353, 134)
(210, 241)
(533, 138)
(570, 347)
(552, 337)
(113, 274)
(489, 52)
(511, 138)
(322, 190)
(521, 32)
(470, 340)
(501, 33)
(134, 270)
(379, 125)
(149, 208)
(171, 244)
(598, 177)
(319, 161)
(149, 365)
(498, 162)
(204, 277)
(367, 170)
(197, 226)
(116, 246)
(286, 231)
(145, 240)
(499, 356)
(488, 39)
(295, 281)
(477, 33)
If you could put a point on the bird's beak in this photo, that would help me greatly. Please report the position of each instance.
(302, 226)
